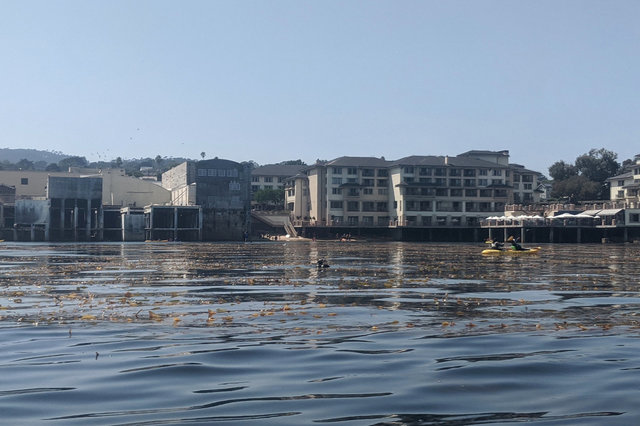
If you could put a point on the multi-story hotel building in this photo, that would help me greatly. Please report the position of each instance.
(411, 191)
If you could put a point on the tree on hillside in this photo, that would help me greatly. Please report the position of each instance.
(269, 197)
(25, 164)
(587, 178)
(75, 161)
(292, 163)
(576, 188)
(598, 165)
(561, 171)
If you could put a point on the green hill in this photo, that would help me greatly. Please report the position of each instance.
(14, 155)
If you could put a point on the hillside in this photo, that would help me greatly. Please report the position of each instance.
(14, 155)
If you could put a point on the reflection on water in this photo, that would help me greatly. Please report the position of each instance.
(390, 333)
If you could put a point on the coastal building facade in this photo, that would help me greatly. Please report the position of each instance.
(118, 189)
(272, 176)
(413, 191)
(626, 186)
(221, 188)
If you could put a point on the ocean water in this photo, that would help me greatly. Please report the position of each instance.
(255, 333)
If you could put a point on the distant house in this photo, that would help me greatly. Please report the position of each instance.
(273, 176)
(626, 186)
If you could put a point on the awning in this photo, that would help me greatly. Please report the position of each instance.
(592, 212)
(609, 212)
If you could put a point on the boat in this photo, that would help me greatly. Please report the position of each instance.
(532, 250)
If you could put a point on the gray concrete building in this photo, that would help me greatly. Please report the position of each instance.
(222, 190)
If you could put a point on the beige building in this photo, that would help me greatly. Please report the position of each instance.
(118, 189)
(412, 191)
(626, 187)
(273, 176)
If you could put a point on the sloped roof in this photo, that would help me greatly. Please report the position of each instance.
(627, 175)
(359, 162)
(278, 170)
(439, 161)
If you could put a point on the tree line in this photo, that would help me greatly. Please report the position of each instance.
(586, 178)
(156, 166)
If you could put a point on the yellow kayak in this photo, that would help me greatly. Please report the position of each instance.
(532, 250)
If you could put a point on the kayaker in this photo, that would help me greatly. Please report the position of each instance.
(515, 243)
(496, 245)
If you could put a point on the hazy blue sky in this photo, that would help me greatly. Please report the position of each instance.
(272, 80)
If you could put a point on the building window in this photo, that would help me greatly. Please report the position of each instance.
(368, 206)
(367, 220)
(24, 181)
(367, 191)
(383, 220)
(408, 169)
(336, 181)
(268, 179)
(253, 178)
(353, 206)
(336, 204)
(383, 191)
(337, 171)
(368, 172)
(203, 172)
(352, 171)
(383, 173)
(483, 172)
(336, 191)
(497, 172)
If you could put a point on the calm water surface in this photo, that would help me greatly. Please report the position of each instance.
(390, 333)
